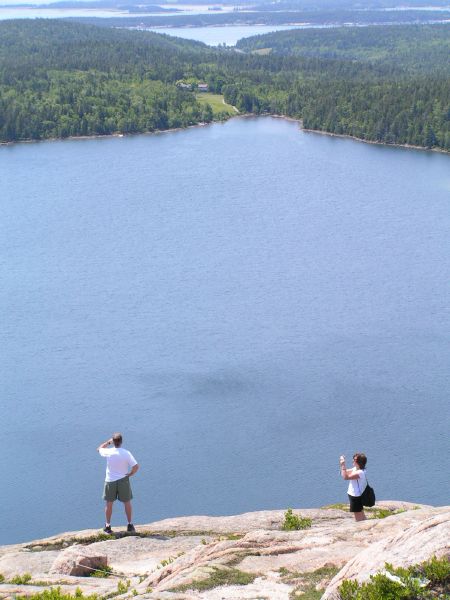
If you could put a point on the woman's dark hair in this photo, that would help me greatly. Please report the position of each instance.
(361, 460)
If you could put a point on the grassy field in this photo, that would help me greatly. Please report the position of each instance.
(217, 103)
(262, 51)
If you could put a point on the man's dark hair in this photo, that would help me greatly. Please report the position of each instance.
(117, 439)
(361, 460)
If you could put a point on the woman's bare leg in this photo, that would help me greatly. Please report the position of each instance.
(360, 516)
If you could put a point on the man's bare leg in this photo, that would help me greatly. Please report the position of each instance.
(128, 510)
(360, 516)
(108, 512)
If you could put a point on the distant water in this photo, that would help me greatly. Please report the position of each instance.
(213, 36)
(59, 13)
(15, 11)
(244, 301)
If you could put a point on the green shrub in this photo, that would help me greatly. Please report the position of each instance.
(56, 594)
(121, 587)
(102, 572)
(166, 561)
(295, 522)
(21, 579)
(2, 578)
(379, 588)
(436, 570)
(349, 589)
(430, 579)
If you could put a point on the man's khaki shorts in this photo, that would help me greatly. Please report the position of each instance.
(120, 489)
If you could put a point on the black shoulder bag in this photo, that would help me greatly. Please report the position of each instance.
(368, 495)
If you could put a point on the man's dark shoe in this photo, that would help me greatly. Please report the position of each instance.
(107, 529)
(130, 528)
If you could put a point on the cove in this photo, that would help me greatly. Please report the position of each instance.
(244, 301)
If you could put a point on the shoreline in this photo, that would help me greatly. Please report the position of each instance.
(101, 136)
(245, 116)
(221, 523)
(374, 142)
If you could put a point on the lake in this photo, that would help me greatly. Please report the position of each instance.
(229, 35)
(244, 301)
(32, 10)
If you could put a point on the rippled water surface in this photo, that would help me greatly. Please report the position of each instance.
(244, 301)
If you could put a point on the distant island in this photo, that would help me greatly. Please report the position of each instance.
(310, 18)
(323, 13)
(381, 84)
(90, 4)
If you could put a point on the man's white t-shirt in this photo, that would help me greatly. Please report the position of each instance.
(118, 462)
(357, 486)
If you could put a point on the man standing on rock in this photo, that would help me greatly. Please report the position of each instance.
(120, 466)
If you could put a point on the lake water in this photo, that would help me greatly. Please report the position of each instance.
(245, 301)
(213, 36)
(10, 10)
(59, 13)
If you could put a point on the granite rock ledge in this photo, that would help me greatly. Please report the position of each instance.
(165, 558)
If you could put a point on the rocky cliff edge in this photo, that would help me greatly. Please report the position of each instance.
(242, 557)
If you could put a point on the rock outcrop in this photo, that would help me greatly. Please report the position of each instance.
(234, 558)
(79, 561)
(415, 544)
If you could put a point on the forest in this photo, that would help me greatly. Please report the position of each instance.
(60, 79)
(415, 48)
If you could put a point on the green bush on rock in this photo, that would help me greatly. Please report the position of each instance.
(295, 522)
(430, 579)
(21, 579)
(437, 570)
(57, 594)
(102, 572)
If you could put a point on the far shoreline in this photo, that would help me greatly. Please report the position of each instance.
(240, 116)
(376, 143)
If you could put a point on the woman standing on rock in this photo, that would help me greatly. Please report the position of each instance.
(357, 483)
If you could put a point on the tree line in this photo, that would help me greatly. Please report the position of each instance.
(60, 79)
